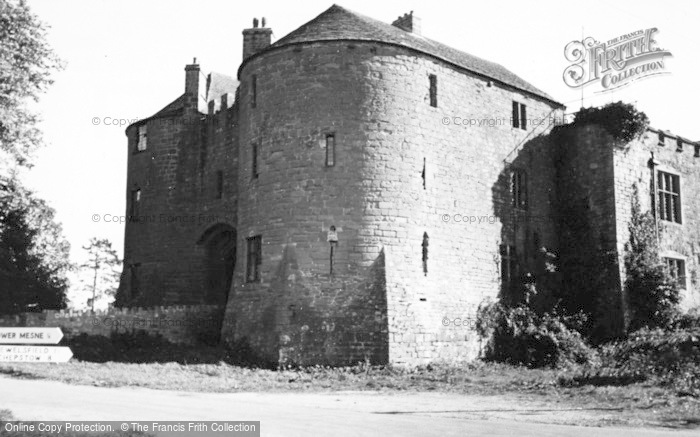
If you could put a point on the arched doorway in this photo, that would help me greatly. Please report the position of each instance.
(219, 244)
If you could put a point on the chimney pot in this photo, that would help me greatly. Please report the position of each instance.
(256, 39)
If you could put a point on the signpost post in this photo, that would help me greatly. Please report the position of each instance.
(29, 350)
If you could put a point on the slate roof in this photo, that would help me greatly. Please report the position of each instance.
(338, 23)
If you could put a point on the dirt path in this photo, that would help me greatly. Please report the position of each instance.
(302, 414)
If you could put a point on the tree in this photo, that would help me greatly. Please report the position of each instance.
(26, 64)
(652, 291)
(104, 266)
(33, 253)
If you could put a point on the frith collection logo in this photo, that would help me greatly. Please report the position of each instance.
(615, 63)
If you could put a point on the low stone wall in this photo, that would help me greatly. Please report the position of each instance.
(178, 324)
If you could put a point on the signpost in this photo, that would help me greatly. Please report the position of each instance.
(30, 335)
(28, 350)
(35, 354)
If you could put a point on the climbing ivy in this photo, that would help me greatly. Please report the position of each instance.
(622, 120)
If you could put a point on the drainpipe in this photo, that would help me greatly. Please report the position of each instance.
(654, 200)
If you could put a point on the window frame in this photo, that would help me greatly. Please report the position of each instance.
(141, 134)
(135, 203)
(519, 189)
(330, 150)
(433, 90)
(425, 243)
(253, 259)
(519, 115)
(677, 268)
(254, 161)
(134, 281)
(663, 194)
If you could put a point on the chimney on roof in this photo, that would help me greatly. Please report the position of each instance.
(409, 23)
(194, 87)
(256, 38)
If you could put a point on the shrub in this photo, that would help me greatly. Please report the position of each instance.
(653, 292)
(622, 120)
(520, 336)
(671, 358)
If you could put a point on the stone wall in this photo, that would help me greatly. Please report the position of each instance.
(633, 169)
(605, 175)
(181, 212)
(189, 325)
(401, 172)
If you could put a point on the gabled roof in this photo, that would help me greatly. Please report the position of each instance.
(338, 23)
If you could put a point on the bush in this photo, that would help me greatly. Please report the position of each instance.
(670, 358)
(520, 336)
(622, 120)
(141, 347)
(653, 292)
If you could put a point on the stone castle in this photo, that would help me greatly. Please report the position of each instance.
(360, 190)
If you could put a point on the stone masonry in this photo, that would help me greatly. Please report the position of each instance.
(350, 196)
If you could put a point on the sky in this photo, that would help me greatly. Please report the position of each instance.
(125, 60)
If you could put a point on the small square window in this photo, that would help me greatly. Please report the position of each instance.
(676, 268)
(662, 139)
(679, 145)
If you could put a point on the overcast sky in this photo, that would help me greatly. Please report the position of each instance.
(125, 60)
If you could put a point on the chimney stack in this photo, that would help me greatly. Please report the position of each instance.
(409, 23)
(194, 87)
(256, 38)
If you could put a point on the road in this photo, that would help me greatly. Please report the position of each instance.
(310, 414)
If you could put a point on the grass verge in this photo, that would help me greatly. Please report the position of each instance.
(640, 403)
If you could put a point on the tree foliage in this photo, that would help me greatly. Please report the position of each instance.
(33, 253)
(622, 120)
(103, 266)
(26, 64)
(652, 292)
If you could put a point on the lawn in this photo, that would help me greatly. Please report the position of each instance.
(636, 404)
